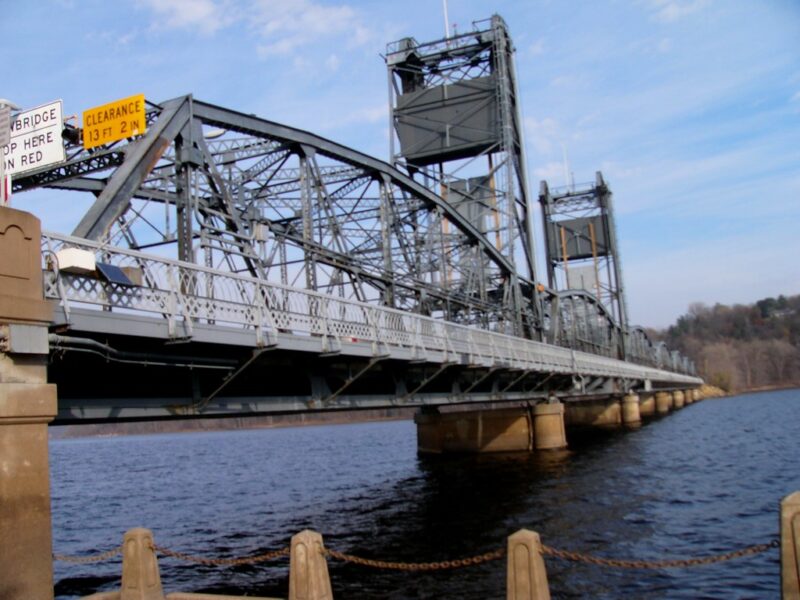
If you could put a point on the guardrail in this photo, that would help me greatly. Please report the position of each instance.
(186, 294)
(526, 571)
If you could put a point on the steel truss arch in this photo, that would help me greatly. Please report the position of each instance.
(235, 192)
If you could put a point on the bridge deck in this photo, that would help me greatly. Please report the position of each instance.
(219, 327)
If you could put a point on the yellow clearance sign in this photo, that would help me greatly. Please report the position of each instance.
(114, 121)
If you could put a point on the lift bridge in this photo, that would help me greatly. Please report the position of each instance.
(229, 265)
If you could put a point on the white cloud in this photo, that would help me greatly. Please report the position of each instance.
(670, 11)
(361, 115)
(614, 171)
(536, 48)
(286, 25)
(544, 134)
(204, 16)
(552, 173)
(661, 283)
(332, 63)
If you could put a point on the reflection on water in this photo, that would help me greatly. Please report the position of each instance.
(704, 480)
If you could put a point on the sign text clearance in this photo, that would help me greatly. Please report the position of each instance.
(35, 139)
(114, 121)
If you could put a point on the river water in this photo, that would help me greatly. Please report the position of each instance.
(704, 480)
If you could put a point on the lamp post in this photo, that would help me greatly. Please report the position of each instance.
(6, 106)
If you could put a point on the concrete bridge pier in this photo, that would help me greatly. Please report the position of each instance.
(549, 430)
(631, 411)
(663, 403)
(603, 412)
(647, 405)
(678, 399)
(27, 405)
(520, 428)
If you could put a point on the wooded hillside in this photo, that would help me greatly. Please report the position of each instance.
(742, 347)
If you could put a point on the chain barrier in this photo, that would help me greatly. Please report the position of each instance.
(81, 560)
(222, 562)
(404, 566)
(440, 565)
(657, 564)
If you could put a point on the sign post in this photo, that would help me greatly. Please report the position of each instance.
(5, 137)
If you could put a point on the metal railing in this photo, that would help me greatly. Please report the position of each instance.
(187, 295)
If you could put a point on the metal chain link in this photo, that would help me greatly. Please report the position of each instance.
(404, 566)
(657, 564)
(89, 559)
(222, 562)
(441, 565)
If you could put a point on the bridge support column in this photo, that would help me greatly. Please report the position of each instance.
(688, 397)
(631, 411)
(697, 394)
(500, 430)
(663, 402)
(605, 413)
(522, 428)
(647, 406)
(27, 405)
(678, 399)
(548, 422)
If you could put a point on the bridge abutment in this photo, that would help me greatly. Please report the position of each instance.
(27, 404)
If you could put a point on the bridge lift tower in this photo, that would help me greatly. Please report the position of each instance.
(581, 246)
(456, 129)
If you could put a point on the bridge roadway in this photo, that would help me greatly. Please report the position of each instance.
(187, 340)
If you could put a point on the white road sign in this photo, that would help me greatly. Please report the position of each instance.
(35, 139)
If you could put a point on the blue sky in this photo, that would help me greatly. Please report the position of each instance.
(691, 108)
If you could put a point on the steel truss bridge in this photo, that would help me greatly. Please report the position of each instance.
(261, 268)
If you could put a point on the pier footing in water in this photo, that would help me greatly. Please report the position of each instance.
(605, 413)
(539, 427)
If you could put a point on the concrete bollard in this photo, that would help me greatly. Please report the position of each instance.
(790, 547)
(526, 574)
(308, 571)
(140, 577)
(663, 402)
(647, 405)
(631, 415)
(548, 426)
(678, 399)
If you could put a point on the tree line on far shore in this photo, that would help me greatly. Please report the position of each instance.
(741, 347)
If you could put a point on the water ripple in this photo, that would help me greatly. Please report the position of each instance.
(704, 480)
